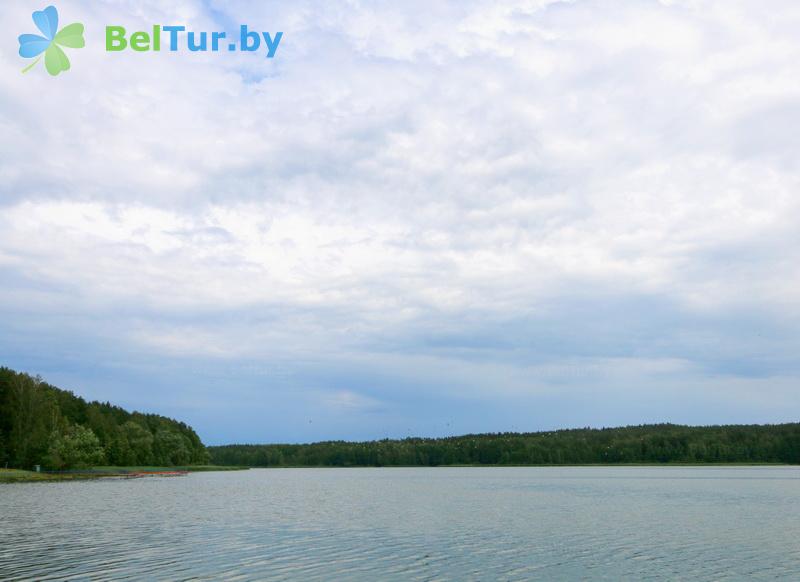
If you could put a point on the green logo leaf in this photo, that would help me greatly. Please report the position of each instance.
(71, 36)
(55, 60)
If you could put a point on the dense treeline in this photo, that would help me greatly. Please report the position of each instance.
(43, 425)
(662, 443)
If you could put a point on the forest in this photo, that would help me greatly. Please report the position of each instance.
(44, 425)
(658, 443)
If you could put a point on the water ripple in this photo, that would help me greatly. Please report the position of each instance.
(410, 524)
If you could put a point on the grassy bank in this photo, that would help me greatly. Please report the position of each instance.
(20, 476)
(190, 468)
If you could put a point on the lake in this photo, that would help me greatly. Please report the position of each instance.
(515, 523)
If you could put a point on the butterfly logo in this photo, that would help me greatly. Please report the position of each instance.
(33, 45)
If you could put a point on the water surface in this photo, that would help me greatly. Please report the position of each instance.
(567, 523)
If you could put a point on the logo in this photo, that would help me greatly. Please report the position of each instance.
(142, 41)
(33, 45)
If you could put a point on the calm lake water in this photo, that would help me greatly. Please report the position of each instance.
(572, 523)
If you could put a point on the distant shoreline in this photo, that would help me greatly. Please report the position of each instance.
(21, 476)
(93, 473)
(478, 466)
(654, 444)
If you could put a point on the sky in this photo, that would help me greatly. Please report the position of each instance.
(418, 218)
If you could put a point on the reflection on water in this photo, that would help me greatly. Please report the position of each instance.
(636, 523)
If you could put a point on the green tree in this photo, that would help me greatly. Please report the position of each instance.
(170, 448)
(3, 453)
(76, 447)
(34, 415)
(140, 442)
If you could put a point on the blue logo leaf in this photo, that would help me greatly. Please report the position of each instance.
(31, 45)
(47, 21)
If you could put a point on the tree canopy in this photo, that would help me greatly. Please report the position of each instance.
(660, 443)
(44, 425)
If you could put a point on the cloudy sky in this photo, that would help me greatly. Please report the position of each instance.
(419, 218)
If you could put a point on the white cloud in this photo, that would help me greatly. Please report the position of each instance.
(415, 178)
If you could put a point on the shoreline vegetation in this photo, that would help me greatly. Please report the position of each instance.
(59, 431)
(23, 476)
(70, 438)
(655, 444)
